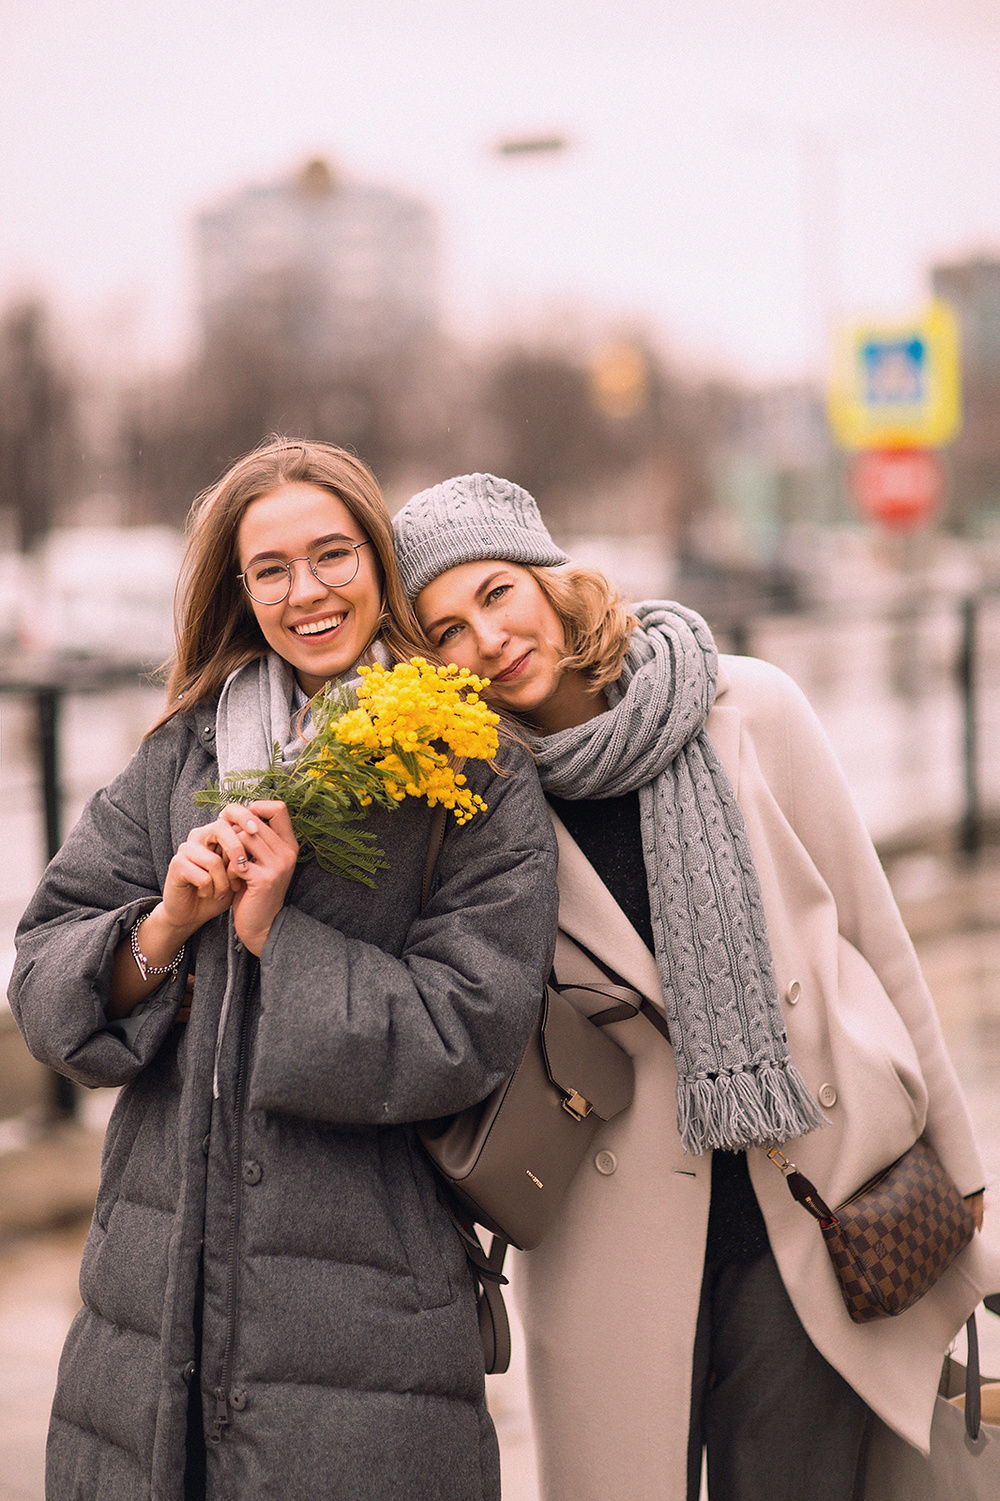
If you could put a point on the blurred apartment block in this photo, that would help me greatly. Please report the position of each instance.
(972, 288)
(339, 272)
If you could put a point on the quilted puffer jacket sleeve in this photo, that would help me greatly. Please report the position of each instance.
(351, 1035)
(108, 871)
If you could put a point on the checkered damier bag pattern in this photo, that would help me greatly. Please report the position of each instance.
(891, 1241)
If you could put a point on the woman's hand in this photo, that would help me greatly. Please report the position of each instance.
(261, 852)
(197, 887)
(244, 859)
(975, 1202)
(198, 884)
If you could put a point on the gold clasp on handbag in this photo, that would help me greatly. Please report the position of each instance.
(576, 1106)
(780, 1161)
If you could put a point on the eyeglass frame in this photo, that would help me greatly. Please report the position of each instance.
(308, 561)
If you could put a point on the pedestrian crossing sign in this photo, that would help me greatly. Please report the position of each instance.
(896, 385)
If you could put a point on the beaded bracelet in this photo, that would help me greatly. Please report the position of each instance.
(142, 963)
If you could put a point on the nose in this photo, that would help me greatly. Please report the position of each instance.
(306, 587)
(491, 638)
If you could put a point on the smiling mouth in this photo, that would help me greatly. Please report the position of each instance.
(512, 670)
(318, 627)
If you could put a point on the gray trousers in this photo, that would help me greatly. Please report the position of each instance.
(776, 1421)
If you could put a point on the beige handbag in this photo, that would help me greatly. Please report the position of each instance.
(511, 1159)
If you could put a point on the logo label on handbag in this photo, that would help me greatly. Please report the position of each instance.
(536, 1181)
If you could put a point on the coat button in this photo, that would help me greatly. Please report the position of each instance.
(793, 992)
(252, 1173)
(606, 1162)
(188, 1372)
(827, 1095)
(237, 1399)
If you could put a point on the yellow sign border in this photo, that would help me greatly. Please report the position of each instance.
(930, 420)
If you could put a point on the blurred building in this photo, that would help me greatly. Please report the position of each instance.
(972, 288)
(317, 303)
(344, 274)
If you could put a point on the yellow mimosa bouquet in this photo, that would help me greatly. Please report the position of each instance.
(397, 737)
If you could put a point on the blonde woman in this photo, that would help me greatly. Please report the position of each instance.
(710, 854)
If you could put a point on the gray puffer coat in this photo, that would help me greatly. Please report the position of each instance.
(291, 1219)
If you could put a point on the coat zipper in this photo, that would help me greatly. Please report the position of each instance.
(221, 1392)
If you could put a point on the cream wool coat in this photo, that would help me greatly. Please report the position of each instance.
(609, 1300)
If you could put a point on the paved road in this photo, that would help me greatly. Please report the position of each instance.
(45, 1190)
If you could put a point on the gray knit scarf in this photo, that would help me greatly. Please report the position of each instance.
(736, 1085)
(259, 707)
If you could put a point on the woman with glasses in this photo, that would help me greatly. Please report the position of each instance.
(274, 1301)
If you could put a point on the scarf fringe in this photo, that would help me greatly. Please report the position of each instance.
(752, 1108)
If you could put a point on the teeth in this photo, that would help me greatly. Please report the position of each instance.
(318, 625)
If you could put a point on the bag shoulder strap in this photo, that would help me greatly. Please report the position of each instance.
(800, 1188)
(620, 990)
(487, 1266)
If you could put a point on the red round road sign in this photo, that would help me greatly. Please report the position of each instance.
(897, 486)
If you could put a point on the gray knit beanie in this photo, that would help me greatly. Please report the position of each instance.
(463, 520)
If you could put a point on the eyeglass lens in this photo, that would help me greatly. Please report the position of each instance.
(269, 582)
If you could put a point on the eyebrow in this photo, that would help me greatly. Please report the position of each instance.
(481, 588)
(317, 542)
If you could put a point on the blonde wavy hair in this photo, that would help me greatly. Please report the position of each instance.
(215, 629)
(594, 616)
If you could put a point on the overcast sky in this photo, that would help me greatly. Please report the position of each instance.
(737, 170)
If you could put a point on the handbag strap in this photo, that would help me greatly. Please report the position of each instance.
(973, 1385)
(800, 1188)
(439, 817)
(622, 992)
(487, 1266)
(973, 1395)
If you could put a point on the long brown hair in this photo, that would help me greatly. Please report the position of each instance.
(215, 629)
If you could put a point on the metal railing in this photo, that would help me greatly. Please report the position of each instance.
(45, 682)
(973, 668)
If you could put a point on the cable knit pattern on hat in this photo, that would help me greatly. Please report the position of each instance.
(463, 520)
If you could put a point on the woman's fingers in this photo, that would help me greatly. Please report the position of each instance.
(263, 863)
(264, 830)
(277, 818)
(198, 884)
(222, 836)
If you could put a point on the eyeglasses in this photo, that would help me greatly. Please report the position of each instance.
(335, 563)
